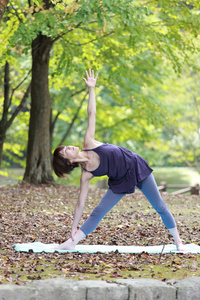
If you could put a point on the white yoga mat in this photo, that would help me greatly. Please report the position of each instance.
(38, 247)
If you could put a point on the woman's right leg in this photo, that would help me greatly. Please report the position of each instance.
(109, 200)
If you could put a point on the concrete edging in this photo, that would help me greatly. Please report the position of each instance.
(120, 289)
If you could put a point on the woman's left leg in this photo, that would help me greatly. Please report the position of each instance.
(150, 190)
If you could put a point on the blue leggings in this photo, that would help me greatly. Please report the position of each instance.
(110, 199)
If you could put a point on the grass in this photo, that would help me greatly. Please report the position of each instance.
(11, 176)
(176, 175)
(177, 268)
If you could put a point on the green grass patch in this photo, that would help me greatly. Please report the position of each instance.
(184, 176)
(35, 267)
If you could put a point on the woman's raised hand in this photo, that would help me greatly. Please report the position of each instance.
(91, 80)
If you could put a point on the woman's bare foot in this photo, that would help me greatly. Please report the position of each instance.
(182, 248)
(68, 245)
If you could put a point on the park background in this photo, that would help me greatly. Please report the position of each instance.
(147, 57)
(146, 54)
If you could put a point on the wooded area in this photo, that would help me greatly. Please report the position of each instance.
(147, 56)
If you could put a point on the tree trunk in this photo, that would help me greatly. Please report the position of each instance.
(6, 122)
(38, 163)
(3, 4)
(3, 121)
(2, 140)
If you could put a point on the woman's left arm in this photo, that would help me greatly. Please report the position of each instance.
(91, 109)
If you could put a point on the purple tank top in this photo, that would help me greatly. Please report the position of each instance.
(124, 168)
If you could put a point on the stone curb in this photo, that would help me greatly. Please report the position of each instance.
(121, 289)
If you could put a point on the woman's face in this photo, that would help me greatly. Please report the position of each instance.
(70, 152)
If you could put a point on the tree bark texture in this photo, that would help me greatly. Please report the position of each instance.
(3, 4)
(8, 117)
(3, 121)
(38, 163)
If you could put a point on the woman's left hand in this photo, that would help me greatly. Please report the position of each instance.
(91, 80)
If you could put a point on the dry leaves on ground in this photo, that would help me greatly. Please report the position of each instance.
(45, 213)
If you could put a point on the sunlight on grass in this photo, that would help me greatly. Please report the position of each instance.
(185, 176)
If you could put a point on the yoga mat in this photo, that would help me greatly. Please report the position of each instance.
(38, 247)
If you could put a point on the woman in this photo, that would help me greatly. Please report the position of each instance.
(124, 169)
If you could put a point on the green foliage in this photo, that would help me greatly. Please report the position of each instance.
(179, 141)
(16, 137)
(16, 142)
(130, 43)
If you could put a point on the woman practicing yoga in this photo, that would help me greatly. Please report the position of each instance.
(124, 168)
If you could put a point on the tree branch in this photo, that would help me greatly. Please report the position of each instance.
(13, 90)
(78, 92)
(59, 112)
(93, 39)
(61, 35)
(19, 107)
(54, 122)
(86, 29)
(6, 104)
(3, 4)
(115, 124)
(73, 120)
(16, 13)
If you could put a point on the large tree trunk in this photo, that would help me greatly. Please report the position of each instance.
(38, 163)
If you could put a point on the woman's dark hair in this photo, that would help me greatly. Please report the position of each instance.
(62, 165)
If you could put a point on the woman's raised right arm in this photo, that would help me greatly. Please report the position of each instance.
(91, 109)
